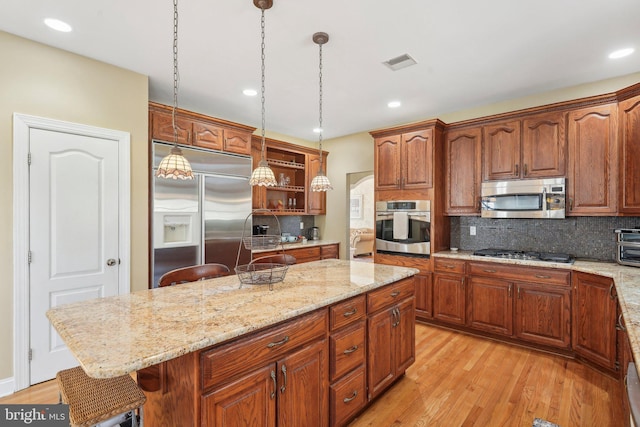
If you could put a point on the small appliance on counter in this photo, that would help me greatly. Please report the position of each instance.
(314, 233)
(628, 246)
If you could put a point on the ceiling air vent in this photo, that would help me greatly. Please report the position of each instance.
(399, 62)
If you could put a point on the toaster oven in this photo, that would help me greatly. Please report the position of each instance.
(628, 246)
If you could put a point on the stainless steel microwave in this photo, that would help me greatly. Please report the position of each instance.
(403, 227)
(628, 246)
(526, 198)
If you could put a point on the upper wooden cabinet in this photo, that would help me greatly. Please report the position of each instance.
(533, 147)
(404, 161)
(462, 165)
(199, 130)
(629, 112)
(593, 159)
(294, 167)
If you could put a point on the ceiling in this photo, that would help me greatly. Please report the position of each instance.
(469, 53)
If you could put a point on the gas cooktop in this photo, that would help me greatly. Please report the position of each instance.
(526, 255)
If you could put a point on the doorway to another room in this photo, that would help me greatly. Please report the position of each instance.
(362, 233)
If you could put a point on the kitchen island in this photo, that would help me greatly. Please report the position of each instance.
(185, 330)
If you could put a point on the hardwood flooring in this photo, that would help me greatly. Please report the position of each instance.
(460, 380)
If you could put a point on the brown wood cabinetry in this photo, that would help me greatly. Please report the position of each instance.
(404, 161)
(449, 296)
(295, 166)
(391, 334)
(593, 159)
(629, 111)
(306, 254)
(424, 295)
(490, 305)
(199, 130)
(463, 152)
(594, 319)
(501, 149)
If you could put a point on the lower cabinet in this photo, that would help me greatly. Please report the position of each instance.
(306, 254)
(424, 295)
(490, 305)
(594, 319)
(449, 296)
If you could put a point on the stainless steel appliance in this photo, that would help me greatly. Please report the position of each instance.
(530, 198)
(526, 255)
(403, 227)
(628, 246)
(314, 233)
(201, 220)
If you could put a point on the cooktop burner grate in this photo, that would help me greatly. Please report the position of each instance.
(526, 255)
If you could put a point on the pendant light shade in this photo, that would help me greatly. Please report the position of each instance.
(175, 165)
(320, 182)
(263, 175)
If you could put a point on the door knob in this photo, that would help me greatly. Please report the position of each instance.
(111, 262)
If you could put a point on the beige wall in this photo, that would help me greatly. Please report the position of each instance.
(43, 81)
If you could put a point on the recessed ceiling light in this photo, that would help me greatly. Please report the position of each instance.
(394, 104)
(317, 130)
(400, 62)
(57, 25)
(621, 53)
(250, 92)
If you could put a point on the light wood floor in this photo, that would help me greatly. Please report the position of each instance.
(459, 380)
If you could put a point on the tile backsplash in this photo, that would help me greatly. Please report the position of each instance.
(288, 224)
(584, 237)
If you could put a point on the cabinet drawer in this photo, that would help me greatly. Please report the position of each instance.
(305, 254)
(329, 251)
(389, 295)
(347, 350)
(448, 265)
(521, 274)
(223, 363)
(348, 396)
(346, 312)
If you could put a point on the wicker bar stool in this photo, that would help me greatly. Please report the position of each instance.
(93, 400)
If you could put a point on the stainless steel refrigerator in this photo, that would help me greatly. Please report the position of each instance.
(201, 220)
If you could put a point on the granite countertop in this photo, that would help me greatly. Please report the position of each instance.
(626, 281)
(296, 245)
(116, 335)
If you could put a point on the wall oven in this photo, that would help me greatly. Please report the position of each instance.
(628, 246)
(403, 227)
(530, 198)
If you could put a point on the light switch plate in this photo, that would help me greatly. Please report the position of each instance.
(472, 230)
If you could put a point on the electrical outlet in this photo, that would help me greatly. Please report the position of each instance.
(472, 230)
(301, 225)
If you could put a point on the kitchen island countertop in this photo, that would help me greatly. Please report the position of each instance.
(116, 335)
(626, 281)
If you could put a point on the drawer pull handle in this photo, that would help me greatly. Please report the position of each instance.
(353, 396)
(542, 276)
(275, 384)
(350, 313)
(277, 343)
(611, 294)
(620, 325)
(488, 270)
(395, 294)
(449, 266)
(350, 350)
(284, 383)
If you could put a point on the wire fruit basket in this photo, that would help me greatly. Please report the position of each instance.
(266, 241)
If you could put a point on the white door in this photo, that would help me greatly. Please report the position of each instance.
(73, 234)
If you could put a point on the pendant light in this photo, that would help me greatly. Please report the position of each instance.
(320, 182)
(175, 165)
(263, 175)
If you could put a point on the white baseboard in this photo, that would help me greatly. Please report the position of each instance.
(7, 387)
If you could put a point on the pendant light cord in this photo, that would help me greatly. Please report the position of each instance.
(262, 46)
(320, 108)
(175, 71)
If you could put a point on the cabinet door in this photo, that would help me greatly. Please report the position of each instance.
(462, 165)
(629, 155)
(238, 142)
(162, 128)
(387, 162)
(449, 298)
(381, 354)
(206, 135)
(594, 318)
(544, 146)
(490, 305)
(303, 387)
(424, 295)
(405, 335)
(316, 200)
(591, 183)
(417, 160)
(501, 142)
(250, 400)
(543, 315)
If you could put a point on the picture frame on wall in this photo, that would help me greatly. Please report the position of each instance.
(355, 206)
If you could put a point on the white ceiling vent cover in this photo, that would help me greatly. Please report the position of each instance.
(399, 62)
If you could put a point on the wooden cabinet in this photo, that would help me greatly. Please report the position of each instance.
(490, 305)
(593, 159)
(424, 295)
(294, 167)
(534, 147)
(463, 152)
(629, 111)
(391, 334)
(306, 254)
(199, 130)
(404, 161)
(594, 319)
(449, 296)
